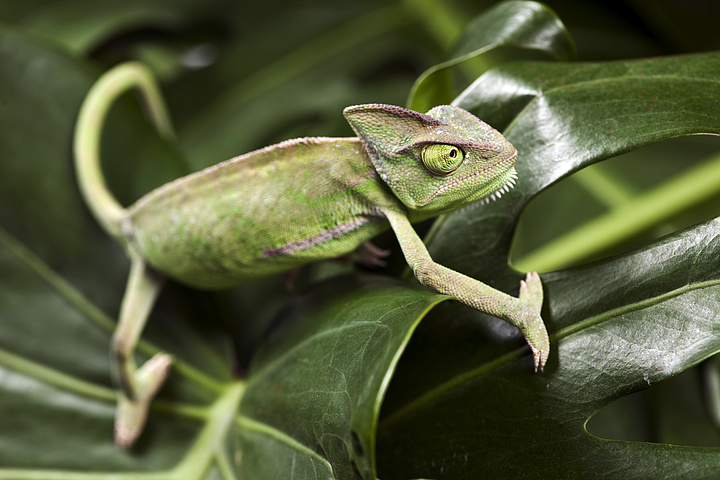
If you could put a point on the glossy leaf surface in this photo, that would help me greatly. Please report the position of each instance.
(515, 25)
(617, 326)
(363, 376)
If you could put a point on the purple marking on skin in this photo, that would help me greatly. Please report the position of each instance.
(323, 236)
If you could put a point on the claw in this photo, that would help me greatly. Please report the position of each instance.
(370, 255)
(540, 358)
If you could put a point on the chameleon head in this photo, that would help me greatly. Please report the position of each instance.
(434, 162)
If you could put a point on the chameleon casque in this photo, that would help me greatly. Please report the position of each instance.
(289, 204)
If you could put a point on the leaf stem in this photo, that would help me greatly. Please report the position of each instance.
(627, 219)
(605, 187)
(207, 447)
(262, 428)
(287, 67)
(225, 467)
(67, 291)
(437, 392)
(76, 299)
(640, 305)
(55, 377)
(440, 18)
(212, 438)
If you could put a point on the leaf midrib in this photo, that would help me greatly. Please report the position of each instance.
(448, 386)
(590, 84)
(75, 298)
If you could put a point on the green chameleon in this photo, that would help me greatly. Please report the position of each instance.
(289, 204)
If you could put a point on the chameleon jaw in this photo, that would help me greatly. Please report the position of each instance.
(500, 191)
(505, 187)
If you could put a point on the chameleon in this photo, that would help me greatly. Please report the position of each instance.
(289, 204)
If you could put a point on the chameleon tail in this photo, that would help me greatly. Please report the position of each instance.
(139, 385)
(104, 206)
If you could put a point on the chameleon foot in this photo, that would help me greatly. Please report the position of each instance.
(531, 294)
(537, 337)
(540, 357)
(370, 255)
(131, 414)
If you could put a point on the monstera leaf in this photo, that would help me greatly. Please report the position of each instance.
(364, 376)
(617, 326)
(502, 31)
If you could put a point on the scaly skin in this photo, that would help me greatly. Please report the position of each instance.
(225, 225)
(290, 204)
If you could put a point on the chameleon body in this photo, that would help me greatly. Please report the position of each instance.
(188, 231)
(289, 204)
(229, 223)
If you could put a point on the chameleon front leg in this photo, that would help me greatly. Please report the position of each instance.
(523, 312)
(139, 385)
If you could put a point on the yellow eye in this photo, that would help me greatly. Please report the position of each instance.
(441, 158)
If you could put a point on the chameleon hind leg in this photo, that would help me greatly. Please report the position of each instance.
(139, 385)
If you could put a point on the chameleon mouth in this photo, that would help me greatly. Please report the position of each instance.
(509, 183)
(504, 187)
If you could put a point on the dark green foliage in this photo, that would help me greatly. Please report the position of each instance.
(363, 375)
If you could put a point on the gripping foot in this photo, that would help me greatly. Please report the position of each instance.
(531, 295)
(131, 413)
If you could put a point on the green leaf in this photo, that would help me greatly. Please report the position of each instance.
(580, 100)
(520, 25)
(80, 25)
(617, 327)
(67, 278)
(316, 388)
(303, 80)
(61, 275)
(462, 401)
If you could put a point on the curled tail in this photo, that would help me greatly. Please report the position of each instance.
(93, 111)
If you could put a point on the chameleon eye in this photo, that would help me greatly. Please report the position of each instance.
(441, 158)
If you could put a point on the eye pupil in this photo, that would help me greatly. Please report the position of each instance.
(453, 153)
